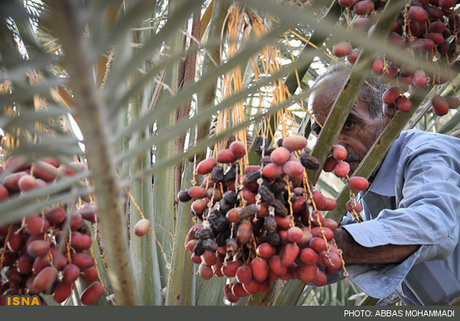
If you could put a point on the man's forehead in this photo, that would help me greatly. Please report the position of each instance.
(333, 79)
(325, 93)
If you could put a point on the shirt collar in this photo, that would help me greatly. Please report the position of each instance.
(384, 181)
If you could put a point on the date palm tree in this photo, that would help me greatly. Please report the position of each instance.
(141, 91)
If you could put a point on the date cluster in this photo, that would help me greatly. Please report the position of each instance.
(46, 252)
(427, 29)
(259, 223)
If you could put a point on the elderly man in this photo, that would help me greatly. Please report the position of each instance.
(408, 241)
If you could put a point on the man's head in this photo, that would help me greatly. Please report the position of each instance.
(366, 121)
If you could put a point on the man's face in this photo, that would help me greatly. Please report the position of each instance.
(360, 129)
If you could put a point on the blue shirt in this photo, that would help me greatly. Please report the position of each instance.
(413, 199)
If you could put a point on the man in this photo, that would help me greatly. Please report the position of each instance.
(408, 240)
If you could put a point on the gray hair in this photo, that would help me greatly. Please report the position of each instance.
(372, 89)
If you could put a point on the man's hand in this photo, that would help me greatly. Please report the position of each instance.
(353, 253)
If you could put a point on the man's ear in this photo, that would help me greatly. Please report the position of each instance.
(389, 111)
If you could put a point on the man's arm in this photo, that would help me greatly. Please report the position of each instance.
(353, 253)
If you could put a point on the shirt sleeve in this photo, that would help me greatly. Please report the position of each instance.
(428, 210)
(428, 213)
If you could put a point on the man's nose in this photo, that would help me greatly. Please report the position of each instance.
(341, 140)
